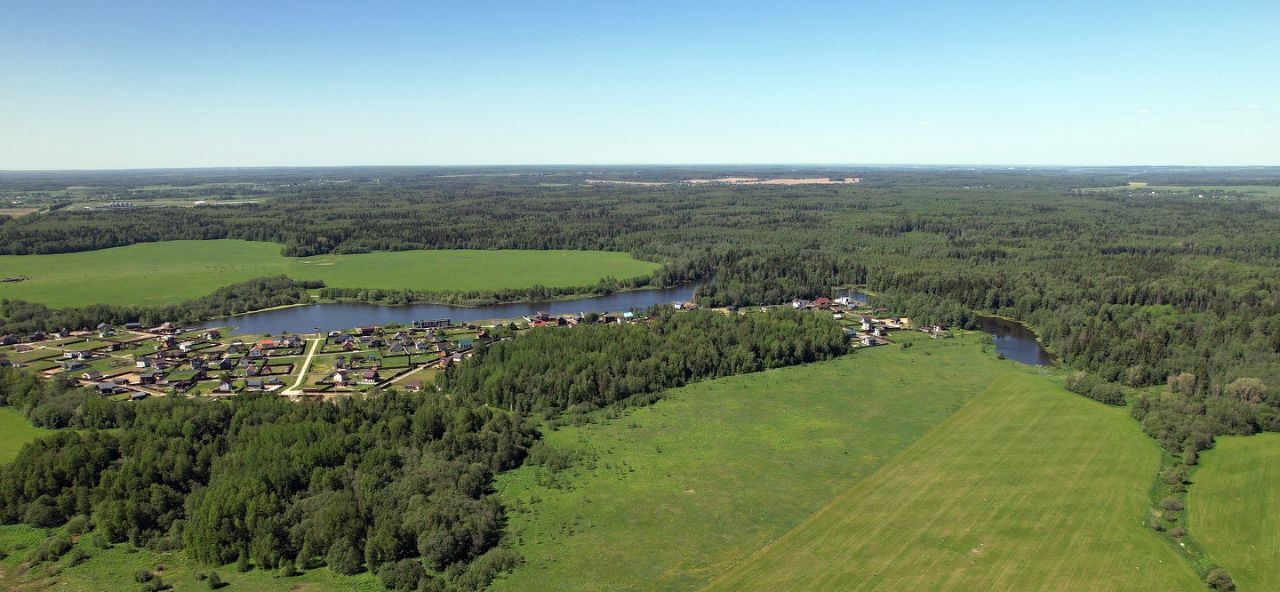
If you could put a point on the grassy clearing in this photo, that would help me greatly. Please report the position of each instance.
(174, 271)
(667, 496)
(115, 568)
(1231, 508)
(15, 431)
(1028, 487)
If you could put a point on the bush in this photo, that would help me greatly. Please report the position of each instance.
(288, 570)
(51, 549)
(402, 576)
(1106, 392)
(242, 563)
(76, 557)
(1219, 579)
(78, 524)
(1178, 533)
(214, 581)
(343, 558)
(143, 576)
(1171, 504)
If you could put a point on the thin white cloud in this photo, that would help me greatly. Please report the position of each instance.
(1143, 111)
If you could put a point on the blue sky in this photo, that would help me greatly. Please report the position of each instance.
(167, 84)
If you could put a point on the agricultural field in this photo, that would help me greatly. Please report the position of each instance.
(1231, 508)
(668, 496)
(15, 431)
(1028, 487)
(174, 271)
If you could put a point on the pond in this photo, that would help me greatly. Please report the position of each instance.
(1016, 341)
(345, 315)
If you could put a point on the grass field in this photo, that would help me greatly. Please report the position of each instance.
(14, 432)
(1028, 487)
(1232, 508)
(675, 493)
(114, 569)
(170, 272)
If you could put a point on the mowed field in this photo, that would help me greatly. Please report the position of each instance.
(15, 431)
(174, 271)
(670, 495)
(1233, 508)
(1028, 487)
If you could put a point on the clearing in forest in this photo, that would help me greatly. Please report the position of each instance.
(1231, 508)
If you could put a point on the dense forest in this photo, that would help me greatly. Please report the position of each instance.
(399, 485)
(592, 366)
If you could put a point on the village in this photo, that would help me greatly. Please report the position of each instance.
(132, 362)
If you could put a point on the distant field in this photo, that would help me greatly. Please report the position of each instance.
(1252, 190)
(1028, 487)
(683, 490)
(170, 272)
(1232, 508)
(14, 432)
(16, 212)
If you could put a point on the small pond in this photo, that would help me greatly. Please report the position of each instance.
(1016, 341)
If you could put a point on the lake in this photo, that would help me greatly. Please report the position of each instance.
(1016, 341)
(345, 315)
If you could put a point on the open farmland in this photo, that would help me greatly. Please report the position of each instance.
(1232, 506)
(667, 496)
(174, 271)
(1028, 487)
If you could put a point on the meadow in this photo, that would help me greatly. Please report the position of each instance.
(116, 568)
(174, 271)
(15, 431)
(665, 497)
(1231, 508)
(1028, 487)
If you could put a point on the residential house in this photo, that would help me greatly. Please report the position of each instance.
(370, 376)
(92, 375)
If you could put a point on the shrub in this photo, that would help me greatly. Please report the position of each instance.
(1178, 533)
(76, 557)
(288, 570)
(214, 581)
(1219, 579)
(402, 575)
(1171, 504)
(242, 563)
(51, 549)
(78, 524)
(143, 576)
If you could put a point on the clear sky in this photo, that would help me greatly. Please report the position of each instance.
(172, 84)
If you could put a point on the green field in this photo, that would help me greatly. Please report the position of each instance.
(1232, 508)
(174, 271)
(678, 492)
(14, 432)
(1028, 487)
(114, 569)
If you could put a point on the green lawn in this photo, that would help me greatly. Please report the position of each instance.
(14, 432)
(1232, 508)
(678, 492)
(1028, 487)
(168, 272)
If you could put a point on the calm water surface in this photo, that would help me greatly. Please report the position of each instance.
(344, 315)
(1015, 341)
